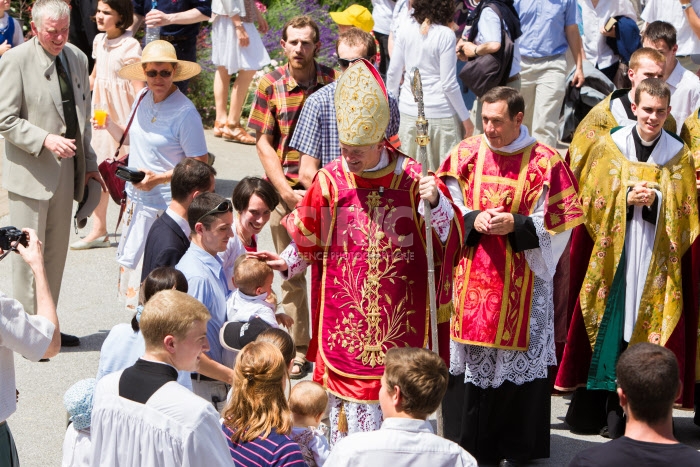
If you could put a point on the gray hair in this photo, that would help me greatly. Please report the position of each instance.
(51, 9)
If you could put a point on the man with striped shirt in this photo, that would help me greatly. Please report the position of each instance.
(276, 109)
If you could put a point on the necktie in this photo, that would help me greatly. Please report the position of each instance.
(69, 112)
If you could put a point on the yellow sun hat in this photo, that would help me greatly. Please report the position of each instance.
(361, 105)
(354, 15)
(161, 52)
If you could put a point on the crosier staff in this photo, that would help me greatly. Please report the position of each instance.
(422, 139)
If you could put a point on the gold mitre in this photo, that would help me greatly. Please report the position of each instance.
(361, 105)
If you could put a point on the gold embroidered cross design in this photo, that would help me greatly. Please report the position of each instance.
(363, 295)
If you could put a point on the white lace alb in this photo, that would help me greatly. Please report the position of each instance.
(361, 417)
(488, 367)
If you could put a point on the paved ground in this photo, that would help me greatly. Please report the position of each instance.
(89, 308)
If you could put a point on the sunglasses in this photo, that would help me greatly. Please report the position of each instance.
(222, 208)
(345, 62)
(162, 73)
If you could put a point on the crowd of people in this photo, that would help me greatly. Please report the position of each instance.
(548, 272)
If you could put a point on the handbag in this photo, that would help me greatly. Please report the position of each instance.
(108, 169)
(485, 72)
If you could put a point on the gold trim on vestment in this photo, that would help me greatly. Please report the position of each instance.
(677, 227)
(370, 344)
(561, 195)
(515, 207)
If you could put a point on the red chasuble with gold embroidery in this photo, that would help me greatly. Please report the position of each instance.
(366, 242)
(493, 285)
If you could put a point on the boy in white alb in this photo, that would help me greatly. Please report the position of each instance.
(308, 401)
(141, 415)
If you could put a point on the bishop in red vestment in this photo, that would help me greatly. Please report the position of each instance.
(361, 228)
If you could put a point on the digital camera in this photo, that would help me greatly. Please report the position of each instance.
(10, 235)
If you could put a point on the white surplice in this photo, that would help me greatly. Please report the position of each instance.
(175, 428)
(619, 112)
(640, 236)
(490, 367)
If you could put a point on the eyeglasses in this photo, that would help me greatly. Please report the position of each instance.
(162, 73)
(222, 208)
(345, 62)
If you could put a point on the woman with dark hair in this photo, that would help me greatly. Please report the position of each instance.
(124, 343)
(253, 199)
(429, 44)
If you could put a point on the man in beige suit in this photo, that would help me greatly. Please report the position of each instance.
(45, 119)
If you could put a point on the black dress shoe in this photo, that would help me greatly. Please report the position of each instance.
(69, 341)
(508, 463)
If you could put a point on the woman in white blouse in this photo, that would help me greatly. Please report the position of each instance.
(428, 44)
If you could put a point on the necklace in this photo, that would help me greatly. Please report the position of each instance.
(154, 111)
(155, 107)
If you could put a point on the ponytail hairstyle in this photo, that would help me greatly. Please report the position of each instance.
(257, 402)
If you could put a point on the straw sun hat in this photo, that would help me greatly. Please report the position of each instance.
(162, 52)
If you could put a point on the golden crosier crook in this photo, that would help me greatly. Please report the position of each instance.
(423, 139)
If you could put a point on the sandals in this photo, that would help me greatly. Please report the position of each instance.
(304, 367)
(236, 133)
(218, 129)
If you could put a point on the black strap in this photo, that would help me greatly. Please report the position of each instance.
(122, 205)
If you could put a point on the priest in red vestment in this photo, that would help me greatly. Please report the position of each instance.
(361, 228)
(519, 200)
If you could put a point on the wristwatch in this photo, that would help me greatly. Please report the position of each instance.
(685, 6)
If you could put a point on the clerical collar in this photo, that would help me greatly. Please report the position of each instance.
(139, 382)
(521, 142)
(643, 148)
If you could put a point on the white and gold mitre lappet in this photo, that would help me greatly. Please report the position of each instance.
(361, 105)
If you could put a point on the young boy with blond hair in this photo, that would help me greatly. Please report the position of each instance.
(253, 295)
(413, 384)
(308, 401)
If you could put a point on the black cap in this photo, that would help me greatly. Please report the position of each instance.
(235, 335)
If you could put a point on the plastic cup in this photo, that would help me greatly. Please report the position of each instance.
(100, 114)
